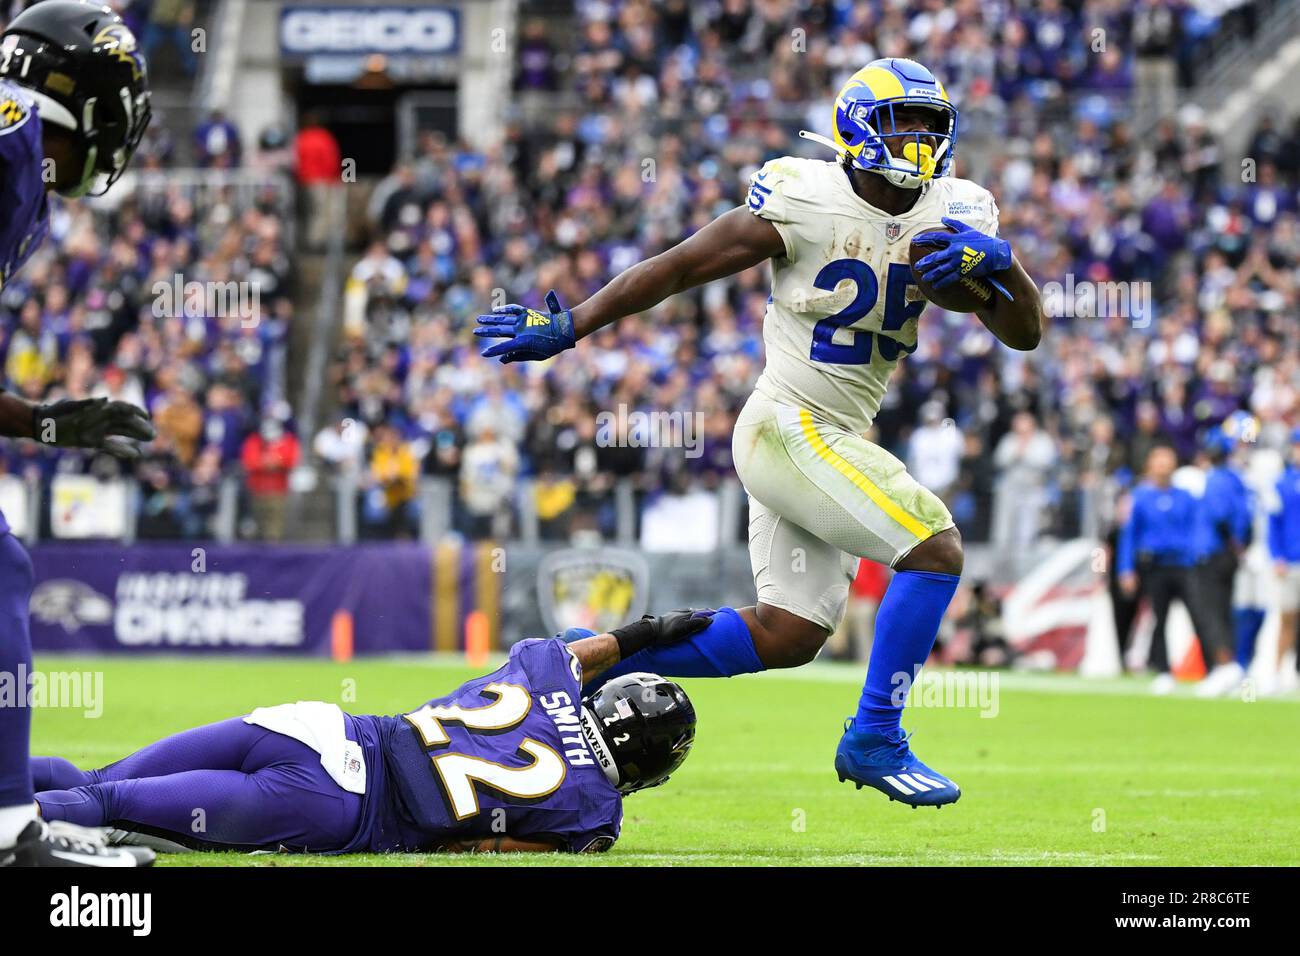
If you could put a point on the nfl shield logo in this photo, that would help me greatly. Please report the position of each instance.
(599, 588)
(893, 230)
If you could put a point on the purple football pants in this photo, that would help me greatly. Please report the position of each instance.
(15, 661)
(226, 785)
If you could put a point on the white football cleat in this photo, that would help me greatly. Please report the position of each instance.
(66, 844)
(1222, 680)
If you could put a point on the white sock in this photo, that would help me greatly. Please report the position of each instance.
(13, 820)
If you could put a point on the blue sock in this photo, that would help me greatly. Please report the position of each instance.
(1247, 621)
(723, 649)
(906, 626)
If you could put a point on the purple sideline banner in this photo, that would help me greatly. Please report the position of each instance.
(177, 598)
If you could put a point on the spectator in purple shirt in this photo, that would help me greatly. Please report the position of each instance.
(216, 142)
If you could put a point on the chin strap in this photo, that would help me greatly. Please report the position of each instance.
(818, 138)
(51, 110)
(590, 730)
(87, 177)
(54, 113)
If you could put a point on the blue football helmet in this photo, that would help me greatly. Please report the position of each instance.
(1239, 428)
(864, 120)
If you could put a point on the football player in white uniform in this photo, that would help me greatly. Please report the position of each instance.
(843, 311)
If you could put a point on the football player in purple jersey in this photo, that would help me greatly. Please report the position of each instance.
(518, 760)
(74, 104)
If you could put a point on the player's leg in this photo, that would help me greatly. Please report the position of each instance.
(803, 513)
(55, 773)
(1246, 623)
(17, 806)
(818, 498)
(1248, 603)
(1214, 588)
(802, 585)
(738, 640)
(1223, 580)
(860, 500)
(259, 788)
(1160, 585)
(26, 840)
(217, 809)
(1201, 593)
(1289, 585)
(222, 745)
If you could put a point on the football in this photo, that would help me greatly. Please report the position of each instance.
(966, 296)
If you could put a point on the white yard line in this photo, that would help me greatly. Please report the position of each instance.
(837, 673)
(929, 858)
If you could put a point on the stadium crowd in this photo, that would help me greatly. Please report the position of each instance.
(627, 134)
(667, 109)
(175, 294)
(179, 300)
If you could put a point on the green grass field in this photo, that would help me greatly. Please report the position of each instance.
(1068, 772)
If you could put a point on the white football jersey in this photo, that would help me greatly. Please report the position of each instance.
(844, 306)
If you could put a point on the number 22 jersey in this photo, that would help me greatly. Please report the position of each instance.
(503, 755)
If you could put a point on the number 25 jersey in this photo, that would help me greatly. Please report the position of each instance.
(844, 306)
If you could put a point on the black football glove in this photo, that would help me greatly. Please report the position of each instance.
(114, 427)
(661, 630)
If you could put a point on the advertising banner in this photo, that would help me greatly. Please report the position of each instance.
(175, 598)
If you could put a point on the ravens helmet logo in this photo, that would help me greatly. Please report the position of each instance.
(120, 41)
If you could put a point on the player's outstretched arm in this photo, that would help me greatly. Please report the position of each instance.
(596, 654)
(114, 427)
(734, 242)
(600, 652)
(15, 417)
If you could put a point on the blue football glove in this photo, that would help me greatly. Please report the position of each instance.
(531, 335)
(965, 253)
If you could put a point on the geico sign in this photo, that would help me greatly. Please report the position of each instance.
(368, 30)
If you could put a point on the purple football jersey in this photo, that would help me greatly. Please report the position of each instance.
(26, 211)
(503, 755)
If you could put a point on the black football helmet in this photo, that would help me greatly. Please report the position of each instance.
(82, 67)
(641, 727)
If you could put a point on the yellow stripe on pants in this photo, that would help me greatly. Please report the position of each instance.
(860, 481)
